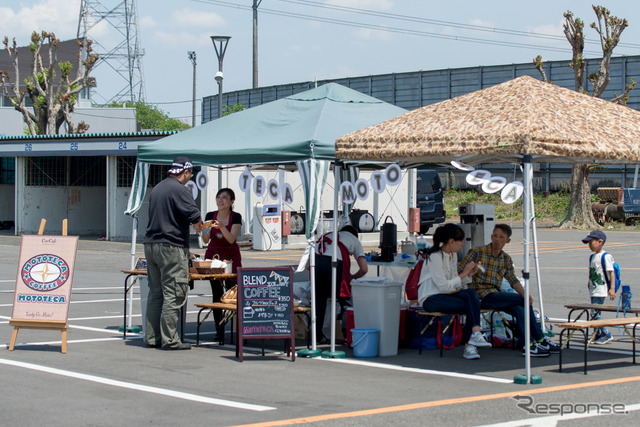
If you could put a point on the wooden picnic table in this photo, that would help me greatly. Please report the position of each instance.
(143, 272)
(585, 308)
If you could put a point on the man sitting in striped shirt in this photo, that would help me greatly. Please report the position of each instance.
(496, 265)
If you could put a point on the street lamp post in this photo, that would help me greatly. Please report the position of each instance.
(192, 57)
(220, 45)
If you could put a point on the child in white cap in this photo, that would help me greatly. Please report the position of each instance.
(600, 263)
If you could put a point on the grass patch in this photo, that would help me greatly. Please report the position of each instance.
(551, 208)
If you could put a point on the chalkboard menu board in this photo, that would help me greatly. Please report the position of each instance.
(265, 305)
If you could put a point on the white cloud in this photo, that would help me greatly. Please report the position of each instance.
(363, 4)
(103, 32)
(147, 22)
(481, 23)
(337, 72)
(554, 30)
(57, 16)
(180, 39)
(193, 18)
(372, 35)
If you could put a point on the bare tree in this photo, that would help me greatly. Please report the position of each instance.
(609, 28)
(51, 87)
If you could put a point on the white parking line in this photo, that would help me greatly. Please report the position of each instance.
(138, 387)
(418, 370)
(87, 328)
(30, 344)
(92, 301)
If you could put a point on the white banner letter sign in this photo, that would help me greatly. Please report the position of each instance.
(512, 192)
(202, 180)
(245, 181)
(362, 189)
(494, 184)
(393, 174)
(274, 191)
(462, 166)
(378, 182)
(288, 193)
(258, 185)
(194, 189)
(478, 177)
(347, 192)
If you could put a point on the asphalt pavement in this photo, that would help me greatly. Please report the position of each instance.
(107, 380)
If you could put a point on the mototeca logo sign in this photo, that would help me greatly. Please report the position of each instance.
(45, 272)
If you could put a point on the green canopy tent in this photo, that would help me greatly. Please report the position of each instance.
(298, 127)
(295, 129)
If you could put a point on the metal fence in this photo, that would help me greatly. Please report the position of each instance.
(419, 88)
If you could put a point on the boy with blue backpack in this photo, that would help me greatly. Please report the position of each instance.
(602, 281)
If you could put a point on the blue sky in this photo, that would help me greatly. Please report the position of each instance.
(317, 39)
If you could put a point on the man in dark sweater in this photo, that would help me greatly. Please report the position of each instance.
(166, 248)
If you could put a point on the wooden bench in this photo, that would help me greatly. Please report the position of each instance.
(231, 309)
(585, 308)
(433, 316)
(584, 326)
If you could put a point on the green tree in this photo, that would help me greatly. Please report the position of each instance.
(226, 110)
(151, 117)
(52, 86)
(609, 29)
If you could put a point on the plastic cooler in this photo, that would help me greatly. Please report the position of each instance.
(376, 304)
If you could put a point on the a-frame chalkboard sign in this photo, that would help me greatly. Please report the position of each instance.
(265, 306)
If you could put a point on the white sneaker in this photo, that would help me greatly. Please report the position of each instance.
(477, 339)
(471, 352)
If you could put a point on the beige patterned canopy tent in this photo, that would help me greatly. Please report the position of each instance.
(499, 125)
(520, 121)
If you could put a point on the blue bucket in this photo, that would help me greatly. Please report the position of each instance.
(365, 342)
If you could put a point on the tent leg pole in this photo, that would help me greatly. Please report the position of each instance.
(526, 201)
(134, 236)
(528, 211)
(334, 267)
(334, 255)
(534, 236)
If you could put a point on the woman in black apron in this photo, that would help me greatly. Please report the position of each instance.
(221, 241)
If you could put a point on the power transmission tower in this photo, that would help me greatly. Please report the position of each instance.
(123, 56)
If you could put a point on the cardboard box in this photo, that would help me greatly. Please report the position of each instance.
(301, 329)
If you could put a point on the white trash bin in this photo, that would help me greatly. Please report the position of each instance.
(376, 304)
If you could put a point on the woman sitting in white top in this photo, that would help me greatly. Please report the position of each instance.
(443, 290)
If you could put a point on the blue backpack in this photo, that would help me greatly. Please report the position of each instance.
(616, 272)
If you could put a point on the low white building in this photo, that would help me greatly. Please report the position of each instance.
(83, 178)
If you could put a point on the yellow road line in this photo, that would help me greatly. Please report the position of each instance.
(443, 402)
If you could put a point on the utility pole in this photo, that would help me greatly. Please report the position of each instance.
(256, 3)
(192, 57)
